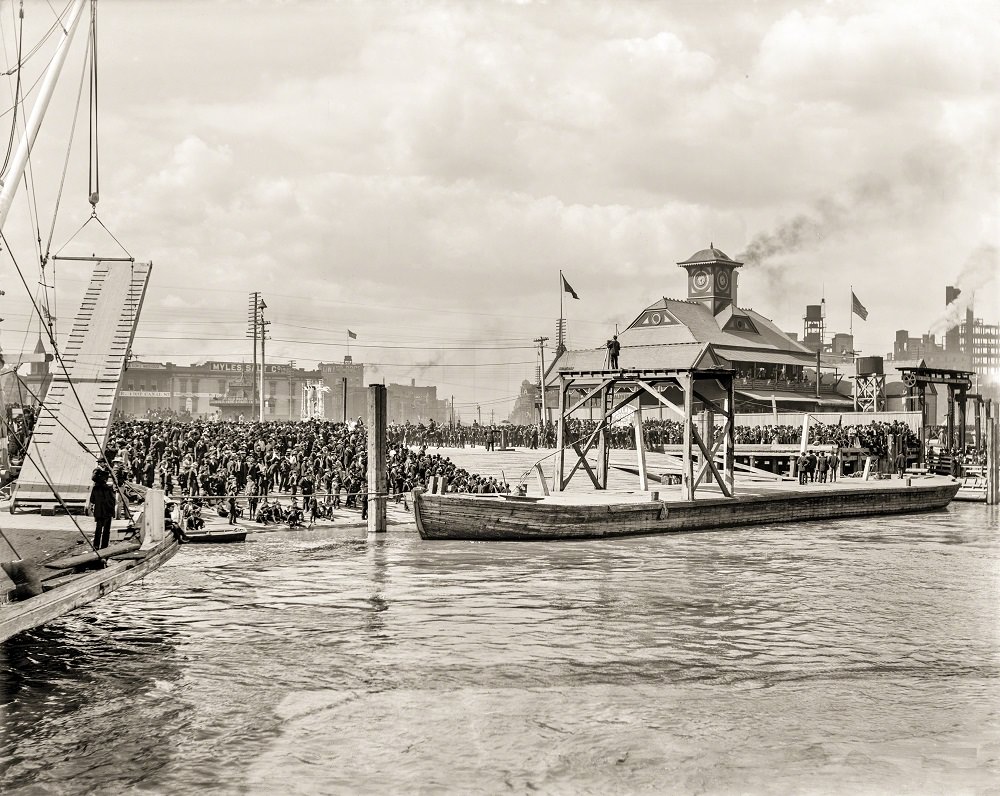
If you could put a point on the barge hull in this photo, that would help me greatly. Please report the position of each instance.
(479, 518)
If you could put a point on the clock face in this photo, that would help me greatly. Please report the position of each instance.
(700, 280)
(722, 280)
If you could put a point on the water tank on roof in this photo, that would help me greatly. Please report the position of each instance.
(814, 312)
(869, 366)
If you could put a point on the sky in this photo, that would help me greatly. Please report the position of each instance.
(420, 172)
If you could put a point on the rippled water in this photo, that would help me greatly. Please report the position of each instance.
(850, 656)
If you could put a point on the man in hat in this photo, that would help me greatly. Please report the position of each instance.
(102, 504)
(614, 347)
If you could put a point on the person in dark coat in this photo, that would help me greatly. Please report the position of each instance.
(102, 503)
(614, 347)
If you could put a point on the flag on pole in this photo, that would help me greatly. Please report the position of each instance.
(566, 287)
(351, 335)
(858, 308)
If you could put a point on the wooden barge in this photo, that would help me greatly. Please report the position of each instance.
(580, 516)
(68, 583)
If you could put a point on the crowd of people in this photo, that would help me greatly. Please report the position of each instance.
(321, 463)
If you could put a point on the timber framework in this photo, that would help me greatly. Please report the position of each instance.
(696, 395)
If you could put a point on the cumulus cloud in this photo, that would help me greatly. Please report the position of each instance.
(400, 168)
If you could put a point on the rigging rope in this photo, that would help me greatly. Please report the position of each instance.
(17, 91)
(94, 183)
(59, 359)
(55, 493)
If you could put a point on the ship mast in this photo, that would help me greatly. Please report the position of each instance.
(15, 170)
(11, 178)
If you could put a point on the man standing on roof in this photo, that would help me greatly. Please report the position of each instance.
(613, 348)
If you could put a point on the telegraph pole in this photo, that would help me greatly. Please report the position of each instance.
(541, 386)
(261, 306)
(253, 329)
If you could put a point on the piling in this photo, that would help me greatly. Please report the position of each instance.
(992, 456)
(376, 458)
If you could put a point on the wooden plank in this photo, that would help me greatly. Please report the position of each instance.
(90, 556)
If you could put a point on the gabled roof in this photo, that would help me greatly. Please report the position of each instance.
(670, 321)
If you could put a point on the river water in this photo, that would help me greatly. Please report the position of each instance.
(844, 657)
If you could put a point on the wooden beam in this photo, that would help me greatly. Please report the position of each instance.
(659, 396)
(729, 446)
(687, 475)
(542, 482)
(602, 436)
(586, 466)
(709, 463)
(560, 463)
(640, 449)
(590, 394)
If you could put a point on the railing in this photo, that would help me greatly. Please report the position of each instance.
(230, 400)
(826, 386)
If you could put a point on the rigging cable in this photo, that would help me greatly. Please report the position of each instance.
(48, 482)
(17, 90)
(62, 364)
(62, 184)
(94, 181)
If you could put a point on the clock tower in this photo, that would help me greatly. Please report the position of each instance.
(712, 278)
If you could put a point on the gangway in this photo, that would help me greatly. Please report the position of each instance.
(71, 431)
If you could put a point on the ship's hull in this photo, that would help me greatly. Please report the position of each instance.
(83, 588)
(505, 518)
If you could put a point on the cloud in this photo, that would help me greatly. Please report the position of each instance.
(884, 57)
(398, 166)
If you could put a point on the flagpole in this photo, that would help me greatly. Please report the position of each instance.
(561, 291)
(348, 342)
(852, 317)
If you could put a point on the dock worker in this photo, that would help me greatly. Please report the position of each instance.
(803, 463)
(822, 465)
(102, 505)
(614, 347)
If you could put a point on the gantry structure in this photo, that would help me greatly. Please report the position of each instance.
(696, 395)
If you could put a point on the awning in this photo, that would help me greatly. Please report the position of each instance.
(766, 357)
(796, 397)
(778, 396)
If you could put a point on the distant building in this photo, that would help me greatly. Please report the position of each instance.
(346, 398)
(408, 403)
(227, 390)
(972, 344)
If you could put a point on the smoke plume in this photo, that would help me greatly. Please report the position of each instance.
(828, 216)
(977, 271)
(921, 179)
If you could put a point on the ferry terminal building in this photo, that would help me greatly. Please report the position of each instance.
(774, 372)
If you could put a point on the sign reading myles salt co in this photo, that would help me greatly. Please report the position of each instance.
(239, 367)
